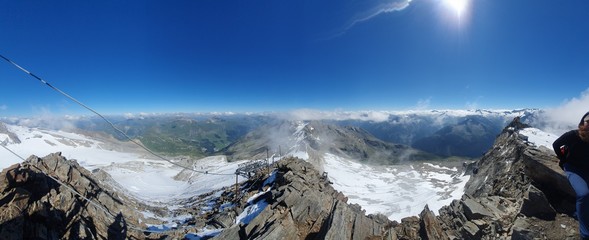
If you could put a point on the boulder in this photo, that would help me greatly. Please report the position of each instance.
(535, 204)
(430, 226)
(474, 210)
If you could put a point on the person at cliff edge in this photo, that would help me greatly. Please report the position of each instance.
(572, 149)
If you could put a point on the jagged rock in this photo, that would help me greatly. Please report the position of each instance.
(523, 230)
(36, 206)
(304, 206)
(519, 192)
(542, 168)
(430, 226)
(471, 231)
(473, 210)
(409, 228)
(535, 204)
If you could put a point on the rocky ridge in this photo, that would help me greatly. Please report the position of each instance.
(517, 191)
(37, 200)
(301, 204)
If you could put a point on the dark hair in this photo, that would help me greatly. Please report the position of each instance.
(584, 129)
(583, 119)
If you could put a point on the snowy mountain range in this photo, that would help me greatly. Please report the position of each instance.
(440, 132)
(316, 138)
(334, 145)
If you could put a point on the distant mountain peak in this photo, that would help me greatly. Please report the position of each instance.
(315, 138)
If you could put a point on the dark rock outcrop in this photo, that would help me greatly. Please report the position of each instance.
(37, 201)
(303, 205)
(517, 191)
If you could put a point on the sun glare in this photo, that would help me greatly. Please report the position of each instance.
(458, 6)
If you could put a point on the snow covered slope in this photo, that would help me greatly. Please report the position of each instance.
(140, 174)
(396, 191)
(539, 137)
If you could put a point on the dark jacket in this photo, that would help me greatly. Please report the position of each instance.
(574, 152)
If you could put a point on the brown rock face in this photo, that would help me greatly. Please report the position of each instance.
(36, 206)
(517, 191)
(303, 205)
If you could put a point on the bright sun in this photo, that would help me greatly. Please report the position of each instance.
(458, 6)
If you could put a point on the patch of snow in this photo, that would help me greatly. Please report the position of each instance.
(395, 191)
(440, 167)
(256, 196)
(203, 234)
(539, 137)
(251, 212)
(169, 223)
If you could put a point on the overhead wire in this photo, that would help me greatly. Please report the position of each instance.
(117, 130)
(106, 120)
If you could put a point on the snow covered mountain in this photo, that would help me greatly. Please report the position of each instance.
(337, 149)
(200, 135)
(334, 149)
(313, 139)
(442, 132)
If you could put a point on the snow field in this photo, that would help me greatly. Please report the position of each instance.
(395, 191)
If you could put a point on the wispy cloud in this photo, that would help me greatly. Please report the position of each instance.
(382, 7)
(3, 107)
(424, 104)
(45, 118)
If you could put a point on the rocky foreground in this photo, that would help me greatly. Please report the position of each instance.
(517, 191)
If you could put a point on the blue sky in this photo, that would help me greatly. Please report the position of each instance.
(268, 55)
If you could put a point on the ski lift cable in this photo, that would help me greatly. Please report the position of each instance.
(106, 120)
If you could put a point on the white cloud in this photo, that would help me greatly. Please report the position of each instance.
(567, 115)
(45, 118)
(311, 114)
(385, 6)
(3, 107)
